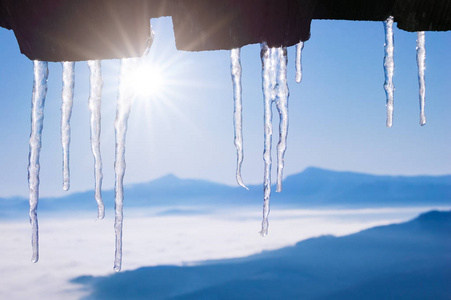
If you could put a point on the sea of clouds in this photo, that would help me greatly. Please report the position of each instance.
(76, 245)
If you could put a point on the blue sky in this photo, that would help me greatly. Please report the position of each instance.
(337, 113)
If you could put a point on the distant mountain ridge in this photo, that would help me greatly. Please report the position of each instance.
(401, 261)
(324, 187)
(313, 187)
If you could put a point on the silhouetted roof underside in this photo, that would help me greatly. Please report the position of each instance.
(67, 30)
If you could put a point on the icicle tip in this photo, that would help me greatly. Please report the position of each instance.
(265, 225)
(100, 216)
(240, 182)
(100, 211)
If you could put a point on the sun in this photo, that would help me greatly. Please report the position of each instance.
(148, 81)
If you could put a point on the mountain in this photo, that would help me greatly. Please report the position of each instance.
(402, 261)
(317, 186)
(312, 188)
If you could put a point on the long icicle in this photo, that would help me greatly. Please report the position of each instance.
(389, 68)
(273, 73)
(95, 97)
(67, 96)
(267, 94)
(299, 48)
(41, 73)
(282, 107)
(235, 67)
(421, 62)
(124, 102)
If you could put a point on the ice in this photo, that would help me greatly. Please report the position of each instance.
(273, 72)
(124, 102)
(95, 97)
(299, 48)
(421, 62)
(67, 96)
(235, 67)
(282, 108)
(275, 89)
(40, 72)
(267, 95)
(389, 68)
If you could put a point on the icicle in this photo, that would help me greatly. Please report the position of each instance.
(267, 93)
(389, 68)
(273, 73)
(299, 48)
(235, 67)
(96, 85)
(67, 96)
(282, 107)
(124, 101)
(40, 73)
(421, 62)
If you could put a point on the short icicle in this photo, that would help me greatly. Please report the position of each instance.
(267, 94)
(389, 68)
(124, 102)
(235, 67)
(421, 62)
(67, 96)
(299, 48)
(282, 108)
(40, 73)
(95, 97)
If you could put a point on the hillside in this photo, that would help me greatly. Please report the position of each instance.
(401, 261)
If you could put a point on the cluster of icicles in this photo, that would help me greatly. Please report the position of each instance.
(125, 97)
(275, 90)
